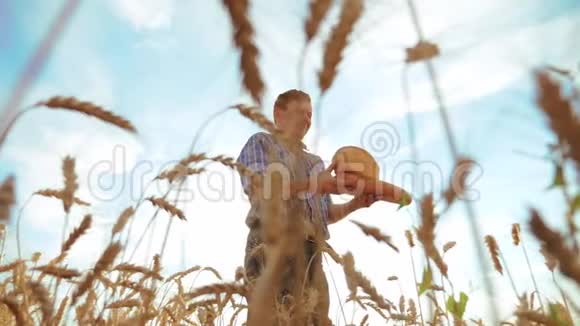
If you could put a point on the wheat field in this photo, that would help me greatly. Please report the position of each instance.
(116, 290)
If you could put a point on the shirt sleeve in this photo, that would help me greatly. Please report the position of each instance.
(317, 168)
(327, 200)
(253, 156)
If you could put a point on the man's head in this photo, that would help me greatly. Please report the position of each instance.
(293, 113)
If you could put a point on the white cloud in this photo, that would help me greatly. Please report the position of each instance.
(43, 137)
(146, 14)
(215, 233)
(475, 63)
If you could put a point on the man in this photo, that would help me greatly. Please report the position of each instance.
(311, 185)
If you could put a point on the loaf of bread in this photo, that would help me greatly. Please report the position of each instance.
(356, 160)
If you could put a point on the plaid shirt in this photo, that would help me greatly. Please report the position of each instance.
(254, 155)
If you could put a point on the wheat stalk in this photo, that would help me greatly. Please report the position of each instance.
(411, 242)
(122, 220)
(183, 273)
(76, 234)
(59, 194)
(254, 114)
(376, 234)
(70, 182)
(231, 163)
(426, 233)
(556, 246)
(377, 309)
(60, 312)
(494, 253)
(402, 303)
(463, 166)
(243, 34)
(58, 271)
(283, 237)
(333, 254)
(356, 279)
(400, 317)
(11, 266)
(126, 303)
(349, 272)
(448, 246)
(87, 307)
(15, 308)
(157, 263)
(218, 288)
(239, 309)
(436, 287)
(179, 171)
(107, 283)
(168, 207)
(409, 237)
(560, 113)
(412, 311)
(213, 271)
(366, 285)
(363, 321)
(35, 257)
(138, 269)
(225, 160)
(358, 300)
(551, 261)
(536, 317)
(240, 274)
(143, 291)
(106, 259)
(42, 296)
(350, 12)
(88, 108)
(170, 314)
(516, 233)
(7, 197)
(517, 239)
(207, 302)
(193, 158)
(317, 12)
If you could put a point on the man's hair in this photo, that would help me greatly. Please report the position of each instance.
(288, 96)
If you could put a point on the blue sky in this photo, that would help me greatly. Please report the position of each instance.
(167, 65)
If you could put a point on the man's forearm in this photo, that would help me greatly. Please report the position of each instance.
(339, 211)
(299, 186)
(294, 188)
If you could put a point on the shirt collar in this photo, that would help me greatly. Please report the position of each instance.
(289, 142)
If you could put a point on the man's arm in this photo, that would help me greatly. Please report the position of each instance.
(322, 183)
(340, 185)
(254, 156)
(337, 212)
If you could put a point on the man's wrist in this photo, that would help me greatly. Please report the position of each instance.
(351, 206)
(318, 185)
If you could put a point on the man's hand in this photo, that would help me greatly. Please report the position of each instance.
(363, 200)
(338, 212)
(340, 184)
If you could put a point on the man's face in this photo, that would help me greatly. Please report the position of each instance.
(296, 119)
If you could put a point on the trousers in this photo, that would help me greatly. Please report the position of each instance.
(315, 279)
